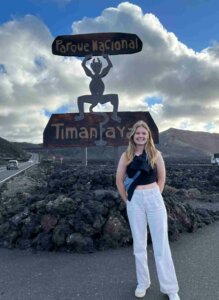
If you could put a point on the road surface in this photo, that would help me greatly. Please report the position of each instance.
(110, 275)
(7, 174)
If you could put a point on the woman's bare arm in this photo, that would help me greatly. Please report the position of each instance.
(161, 172)
(120, 175)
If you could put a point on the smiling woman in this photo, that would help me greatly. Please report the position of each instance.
(145, 205)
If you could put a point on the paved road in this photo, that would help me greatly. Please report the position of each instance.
(110, 275)
(7, 174)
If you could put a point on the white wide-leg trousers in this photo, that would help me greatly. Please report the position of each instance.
(147, 207)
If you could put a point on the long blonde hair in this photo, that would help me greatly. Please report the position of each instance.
(150, 148)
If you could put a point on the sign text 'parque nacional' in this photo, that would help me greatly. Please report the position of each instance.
(97, 44)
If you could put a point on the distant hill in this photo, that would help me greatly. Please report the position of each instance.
(173, 143)
(24, 145)
(185, 143)
(9, 150)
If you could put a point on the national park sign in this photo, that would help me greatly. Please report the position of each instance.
(63, 131)
(97, 44)
(95, 128)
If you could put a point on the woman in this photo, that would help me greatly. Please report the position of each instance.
(145, 205)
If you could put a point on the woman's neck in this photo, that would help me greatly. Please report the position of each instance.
(139, 149)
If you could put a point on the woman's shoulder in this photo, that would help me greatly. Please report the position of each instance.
(124, 156)
(158, 153)
(159, 157)
(122, 161)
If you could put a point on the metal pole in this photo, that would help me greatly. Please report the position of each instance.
(116, 155)
(84, 156)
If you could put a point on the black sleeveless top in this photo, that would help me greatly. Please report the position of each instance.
(148, 174)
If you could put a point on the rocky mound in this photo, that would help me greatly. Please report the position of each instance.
(78, 209)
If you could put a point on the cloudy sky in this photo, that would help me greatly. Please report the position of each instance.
(175, 77)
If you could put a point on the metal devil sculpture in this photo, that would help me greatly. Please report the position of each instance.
(97, 88)
(97, 96)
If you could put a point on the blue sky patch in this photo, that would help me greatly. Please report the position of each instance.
(153, 100)
(40, 62)
(2, 69)
(209, 126)
(61, 110)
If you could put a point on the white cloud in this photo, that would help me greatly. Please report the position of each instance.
(33, 80)
(212, 51)
(185, 79)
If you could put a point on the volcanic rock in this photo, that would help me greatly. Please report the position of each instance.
(68, 207)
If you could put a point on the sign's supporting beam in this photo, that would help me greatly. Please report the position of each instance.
(84, 156)
(116, 155)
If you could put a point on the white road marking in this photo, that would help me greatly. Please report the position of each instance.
(17, 173)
